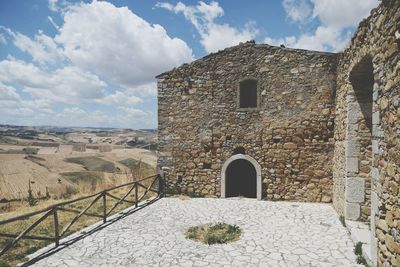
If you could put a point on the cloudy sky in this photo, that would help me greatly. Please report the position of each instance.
(92, 63)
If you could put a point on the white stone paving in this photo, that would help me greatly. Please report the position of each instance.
(274, 234)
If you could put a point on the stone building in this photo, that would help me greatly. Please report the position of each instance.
(287, 124)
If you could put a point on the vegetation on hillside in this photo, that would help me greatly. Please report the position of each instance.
(93, 164)
(139, 166)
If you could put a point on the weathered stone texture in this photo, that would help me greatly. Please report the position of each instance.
(377, 38)
(289, 134)
(303, 97)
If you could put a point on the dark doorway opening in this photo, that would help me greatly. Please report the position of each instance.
(362, 80)
(241, 179)
(359, 141)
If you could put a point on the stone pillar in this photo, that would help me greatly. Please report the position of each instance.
(377, 134)
(355, 185)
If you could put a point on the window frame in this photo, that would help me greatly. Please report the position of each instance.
(257, 94)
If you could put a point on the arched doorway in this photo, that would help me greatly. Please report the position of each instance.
(241, 179)
(359, 141)
(362, 137)
(241, 176)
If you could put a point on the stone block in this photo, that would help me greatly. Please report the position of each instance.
(355, 189)
(352, 165)
(374, 250)
(376, 118)
(374, 202)
(352, 211)
(374, 175)
(290, 145)
(352, 149)
(375, 147)
(381, 224)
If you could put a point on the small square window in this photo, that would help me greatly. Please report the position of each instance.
(248, 94)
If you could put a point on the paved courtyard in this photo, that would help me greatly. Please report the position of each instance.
(274, 234)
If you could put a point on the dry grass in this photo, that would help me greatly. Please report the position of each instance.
(93, 164)
(87, 174)
(45, 169)
(210, 234)
(46, 228)
(138, 167)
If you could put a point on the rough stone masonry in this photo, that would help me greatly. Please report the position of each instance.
(318, 127)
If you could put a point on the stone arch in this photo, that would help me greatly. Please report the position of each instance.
(362, 134)
(251, 160)
(359, 138)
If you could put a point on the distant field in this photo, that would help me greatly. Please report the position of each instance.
(132, 164)
(93, 164)
(55, 164)
(17, 172)
(88, 179)
(66, 170)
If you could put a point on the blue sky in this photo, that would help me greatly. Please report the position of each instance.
(92, 63)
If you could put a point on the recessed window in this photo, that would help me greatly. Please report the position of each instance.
(206, 165)
(248, 94)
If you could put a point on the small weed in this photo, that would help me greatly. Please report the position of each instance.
(31, 250)
(4, 263)
(194, 195)
(360, 257)
(47, 193)
(219, 233)
(32, 201)
(342, 220)
(69, 192)
(358, 248)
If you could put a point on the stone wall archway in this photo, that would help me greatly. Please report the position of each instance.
(363, 133)
(251, 160)
(361, 127)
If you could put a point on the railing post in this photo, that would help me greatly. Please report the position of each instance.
(164, 184)
(161, 189)
(56, 228)
(104, 207)
(136, 194)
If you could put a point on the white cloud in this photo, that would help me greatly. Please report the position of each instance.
(3, 39)
(69, 84)
(102, 57)
(342, 13)
(335, 17)
(75, 111)
(219, 36)
(214, 36)
(11, 104)
(53, 5)
(143, 90)
(43, 49)
(8, 93)
(147, 119)
(120, 98)
(134, 112)
(117, 44)
(76, 116)
(298, 10)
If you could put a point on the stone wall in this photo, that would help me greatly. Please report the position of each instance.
(290, 134)
(377, 39)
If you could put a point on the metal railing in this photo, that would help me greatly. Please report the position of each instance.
(54, 210)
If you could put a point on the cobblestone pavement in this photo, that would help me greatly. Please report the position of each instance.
(274, 234)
